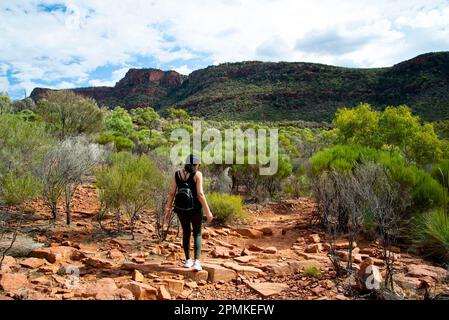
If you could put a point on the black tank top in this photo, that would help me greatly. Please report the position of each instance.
(192, 186)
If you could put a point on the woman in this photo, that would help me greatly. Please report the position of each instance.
(190, 220)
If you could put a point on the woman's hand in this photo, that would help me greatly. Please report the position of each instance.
(167, 214)
(209, 217)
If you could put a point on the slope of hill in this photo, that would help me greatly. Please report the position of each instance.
(279, 91)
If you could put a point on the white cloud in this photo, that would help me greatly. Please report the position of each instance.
(68, 46)
(116, 76)
(185, 70)
(4, 84)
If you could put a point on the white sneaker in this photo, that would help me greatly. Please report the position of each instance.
(188, 263)
(197, 265)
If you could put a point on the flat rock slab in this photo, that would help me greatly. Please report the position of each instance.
(267, 289)
(244, 270)
(21, 247)
(422, 270)
(219, 273)
(150, 267)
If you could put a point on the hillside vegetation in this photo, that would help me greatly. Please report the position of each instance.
(283, 91)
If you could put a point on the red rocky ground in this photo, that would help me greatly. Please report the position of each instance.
(270, 258)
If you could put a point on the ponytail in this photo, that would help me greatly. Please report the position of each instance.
(190, 163)
(190, 168)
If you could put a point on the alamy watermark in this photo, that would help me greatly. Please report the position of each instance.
(252, 147)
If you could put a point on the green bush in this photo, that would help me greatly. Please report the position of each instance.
(119, 121)
(440, 172)
(313, 272)
(396, 128)
(16, 189)
(425, 191)
(431, 233)
(69, 114)
(121, 143)
(226, 208)
(23, 145)
(128, 186)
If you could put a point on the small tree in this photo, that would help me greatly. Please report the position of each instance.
(69, 114)
(178, 115)
(128, 186)
(25, 104)
(119, 121)
(63, 169)
(5, 104)
(22, 147)
(146, 118)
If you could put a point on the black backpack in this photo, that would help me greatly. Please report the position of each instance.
(184, 200)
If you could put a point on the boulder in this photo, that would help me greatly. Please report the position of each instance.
(245, 259)
(251, 233)
(141, 291)
(314, 248)
(98, 263)
(189, 273)
(314, 238)
(137, 276)
(12, 281)
(281, 268)
(243, 270)
(174, 286)
(267, 231)
(57, 254)
(33, 263)
(270, 250)
(220, 252)
(104, 287)
(163, 293)
(372, 252)
(369, 277)
(44, 281)
(218, 273)
(344, 245)
(118, 294)
(255, 248)
(116, 254)
(268, 289)
(22, 246)
(423, 270)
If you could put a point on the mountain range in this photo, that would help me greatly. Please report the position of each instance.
(255, 90)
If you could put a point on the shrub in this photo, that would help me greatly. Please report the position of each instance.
(226, 208)
(431, 233)
(5, 104)
(120, 142)
(313, 272)
(63, 168)
(22, 148)
(69, 114)
(440, 172)
(119, 121)
(128, 186)
(425, 192)
(16, 189)
(396, 128)
(145, 117)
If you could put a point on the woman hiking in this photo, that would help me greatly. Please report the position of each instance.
(187, 199)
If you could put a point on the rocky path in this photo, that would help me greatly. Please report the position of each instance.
(279, 255)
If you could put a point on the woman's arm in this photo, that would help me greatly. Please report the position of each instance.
(170, 198)
(201, 197)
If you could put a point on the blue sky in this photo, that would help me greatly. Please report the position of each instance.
(77, 43)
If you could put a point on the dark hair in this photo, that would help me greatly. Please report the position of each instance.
(190, 163)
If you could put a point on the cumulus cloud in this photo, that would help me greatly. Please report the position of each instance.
(61, 42)
(185, 70)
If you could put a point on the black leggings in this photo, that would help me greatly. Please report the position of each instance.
(189, 222)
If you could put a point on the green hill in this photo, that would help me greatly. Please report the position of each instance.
(284, 91)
